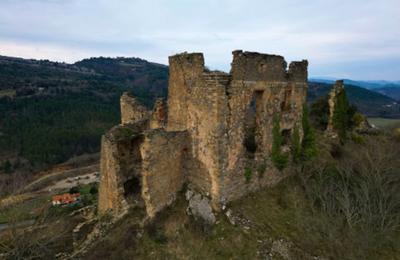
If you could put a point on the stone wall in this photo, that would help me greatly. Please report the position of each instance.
(200, 138)
(162, 168)
(159, 114)
(131, 110)
(120, 160)
(336, 90)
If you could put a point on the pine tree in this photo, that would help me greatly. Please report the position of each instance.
(340, 115)
(308, 144)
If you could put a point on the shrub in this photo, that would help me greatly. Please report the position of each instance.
(360, 191)
(247, 174)
(279, 159)
(343, 115)
(320, 113)
(93, 190)
(357, 119)
(396, 134)
(74, 190)
(358, 139)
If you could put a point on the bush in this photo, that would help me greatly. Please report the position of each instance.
(74, 190)
(359, 191)
(248, 174)
(93, 190)
(358, 139)
(320, 113)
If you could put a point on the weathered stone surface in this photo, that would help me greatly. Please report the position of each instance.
(162, 168)
(131, 110)
(200, 207)
(200, 138)
(159, 115)
(336, 90)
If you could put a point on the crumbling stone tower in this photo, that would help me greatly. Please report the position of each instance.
(215, 127)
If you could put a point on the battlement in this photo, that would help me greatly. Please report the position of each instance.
(246, 66)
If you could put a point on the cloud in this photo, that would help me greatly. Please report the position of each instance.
(326, 32)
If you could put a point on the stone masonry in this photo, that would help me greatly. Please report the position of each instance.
(200, 137)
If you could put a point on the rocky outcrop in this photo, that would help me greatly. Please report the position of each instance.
(335, 91)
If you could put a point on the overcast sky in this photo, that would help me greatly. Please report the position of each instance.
(358, 39)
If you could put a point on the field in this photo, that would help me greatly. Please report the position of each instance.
(7, 93)
(384, 122)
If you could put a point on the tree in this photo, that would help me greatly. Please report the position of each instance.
(7, 167)
(279, 159)
(341, 120)
(74, 190)
(308, 144)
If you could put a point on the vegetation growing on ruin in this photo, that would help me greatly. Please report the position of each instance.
(319, 212)
(345, 116)
(248, 173)
(279, 159)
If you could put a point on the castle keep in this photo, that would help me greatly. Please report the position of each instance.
(215, 128)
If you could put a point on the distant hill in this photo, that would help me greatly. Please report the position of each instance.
(370, 84)
(368, 102)
(50, 111)
(393, 92)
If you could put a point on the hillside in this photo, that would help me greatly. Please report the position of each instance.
(51, 111)
(370, 103)
(393, 92)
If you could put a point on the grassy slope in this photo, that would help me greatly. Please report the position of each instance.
(384, 122)
(275, 214)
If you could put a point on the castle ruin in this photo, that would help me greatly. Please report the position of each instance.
(214, 127)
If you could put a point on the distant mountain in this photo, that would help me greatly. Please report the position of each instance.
(392, 92)
(369, 84)
(368, 102)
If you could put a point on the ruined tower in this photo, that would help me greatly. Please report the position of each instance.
(215, 127)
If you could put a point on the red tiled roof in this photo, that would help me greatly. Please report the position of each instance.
(66, 198)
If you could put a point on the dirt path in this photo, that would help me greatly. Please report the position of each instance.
(52, 178)
(74, 181)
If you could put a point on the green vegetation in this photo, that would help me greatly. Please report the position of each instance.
(319, 113)
(26, 210)
(320, 212)
(61, 110)
(279, 159)
(368, 102)
(248, 173)
(308, 144)
(340, 115)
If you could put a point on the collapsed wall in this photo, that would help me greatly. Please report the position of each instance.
(202, 136)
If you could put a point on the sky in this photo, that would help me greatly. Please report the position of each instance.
(357, 39)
